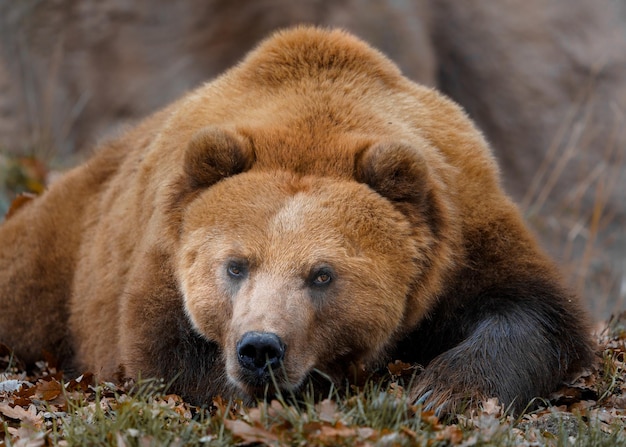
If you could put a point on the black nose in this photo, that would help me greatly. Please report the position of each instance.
(258, 350)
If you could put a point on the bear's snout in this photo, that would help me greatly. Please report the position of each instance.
(257, 352)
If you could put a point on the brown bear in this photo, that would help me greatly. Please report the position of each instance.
(308, 210)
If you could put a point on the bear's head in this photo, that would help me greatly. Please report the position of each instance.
(290, 273)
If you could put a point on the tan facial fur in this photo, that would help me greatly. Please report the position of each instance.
(287, 230)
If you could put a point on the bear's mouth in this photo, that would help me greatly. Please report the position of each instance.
(261, 383)
(265, 383)
(260, 368)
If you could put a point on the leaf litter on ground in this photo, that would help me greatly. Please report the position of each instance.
(42, 407)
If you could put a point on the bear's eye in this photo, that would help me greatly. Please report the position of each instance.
(321, 277)
(236, 269)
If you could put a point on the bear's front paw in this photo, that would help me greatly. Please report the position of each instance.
(444, 393)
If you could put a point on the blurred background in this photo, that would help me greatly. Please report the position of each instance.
(544, 80)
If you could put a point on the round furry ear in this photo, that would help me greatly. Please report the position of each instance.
(397, 171)
(213, 154)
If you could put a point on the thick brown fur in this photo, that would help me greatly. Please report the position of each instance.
(313, 158)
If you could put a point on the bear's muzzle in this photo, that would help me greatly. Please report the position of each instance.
(258, 354)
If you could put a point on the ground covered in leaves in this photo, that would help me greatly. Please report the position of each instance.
(40, 408)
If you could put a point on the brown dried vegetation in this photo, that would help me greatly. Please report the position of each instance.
(40, 408)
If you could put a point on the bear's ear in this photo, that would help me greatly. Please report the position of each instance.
(213, 154)
(397, 171)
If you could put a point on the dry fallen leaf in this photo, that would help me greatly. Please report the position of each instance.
(401, 369)
(11, 386)
(492, 407)
(248, 433)
(451, 433)
(48, 390)
(29, 417)
(327, 410)
(19, 201)
(331, 435)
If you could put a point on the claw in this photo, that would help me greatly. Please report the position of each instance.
(423, 397)
(428, 407)
(439, 411)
